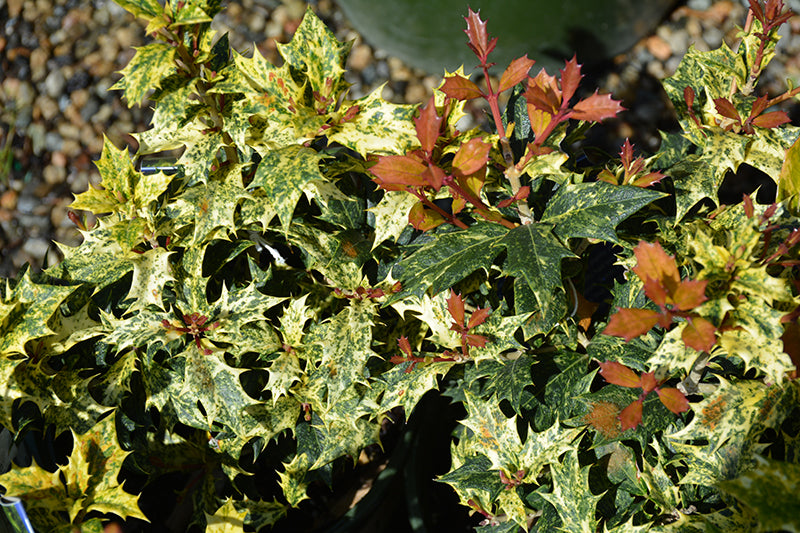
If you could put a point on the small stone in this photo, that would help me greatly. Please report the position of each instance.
(8, 200)
(360, 57)
(658, 47)
(45, 107)
(69, 131)
(36, 133)
(54, 175)
(415, 93)
(54, 84)
(38, 63)
(58, 159)
(53, 141)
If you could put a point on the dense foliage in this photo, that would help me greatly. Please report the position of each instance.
(621, 342)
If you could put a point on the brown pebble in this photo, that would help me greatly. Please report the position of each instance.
(58, 159)
(45, 107)
(54, 175)
(658, 47)
(360, 57)
(8, 200)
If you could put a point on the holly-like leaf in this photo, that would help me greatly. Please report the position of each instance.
(534, 255)
(428, 125)
(619, 374)
(594, 209)
(673, 399)
(226, 519)
(460, 88)
(596, 108)
(699, 334)
(631, 323)
(789, 180)
(146, 9)
(479, 41)
(515, 73)
(570, 78)
(571, 495)
(397, 172)
(151, 63)
(631, 416)
(471, 157)
(448, 259)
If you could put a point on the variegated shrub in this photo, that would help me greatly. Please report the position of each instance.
(625, 346)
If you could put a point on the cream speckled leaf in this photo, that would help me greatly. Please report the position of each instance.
(39, 491)
(227, 519)
(545, 447)
(345, 437)
(434, 316)
(151, 271)
(757, 351)
(325, 253)
(448, 259)
(115, 383)
(294, 319)
(315, 51)
(571, 496)
(344, 345)
(283, 174)
(263, 513)
(594, 209)
(401, 388)
(493, 434)
(735, 411)
(27, 311)
(142, 8)
(292, 479)
(379, 127)
(151, 63)
(99, 260)
(770, 489)
(388, 222)
(534, 255)
(284, 371)
(672, 352)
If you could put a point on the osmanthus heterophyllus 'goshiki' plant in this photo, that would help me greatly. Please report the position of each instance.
(242, 327)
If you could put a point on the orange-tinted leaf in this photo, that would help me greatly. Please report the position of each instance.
(478, 36)
(626, 154)
(456, 307)
(596, 108)
(424, 219)
(460, 88)
(631, 416)
(478, 341)
(648, 381)
(688, 96)
(478, 317)
(433, 176)
(404, 345)
(428, 124)
(630, 323)
(759, 106)
(607, 176)
(539, 119)
(543, 93)
(619, 374)
(772, 119)
(726, 109)
(654, 263)
(398, 170)
(570, 78)
(673, 399)
(689, 294)
(471, 157)
(699, 334)
(516, 72)
(749, 209)
(648, 179)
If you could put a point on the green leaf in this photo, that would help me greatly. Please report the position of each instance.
(789, 180)
(283, 174)
(448, 259)
(151, 272)
(575, 503)
(388, 222)
(142, 8)
(494, 434)
(476, 473)
(770, 489)
(508, 380)
(594, 209)
(151, 63)
(534, 255)
(403, 387)
(292, 479)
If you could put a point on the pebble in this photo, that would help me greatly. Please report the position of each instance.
(36, 247)
(54, 84)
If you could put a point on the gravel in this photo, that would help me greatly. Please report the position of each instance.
(58, 59)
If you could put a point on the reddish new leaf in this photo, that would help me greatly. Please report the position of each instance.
(471, 157)
(654, 263)
(479, 341)
(648, 179)
(772, 119)
(434, 176)
(726, 109)
(699, 334)
(596, 108)
(688, 96)
(759, 106)
(673, 399)
(516, 72)
(630, 323)
(648, 382)
(427, 125)
(456, 307)
(570, 78)
(460, 88)
(478, 36)
(478, 317)
(619, 374)
(690, 294)
(394, 172)
(631, 416)
(543, 93)
(404, 345)
(749, 209)
(626, 154)
(424, 219)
